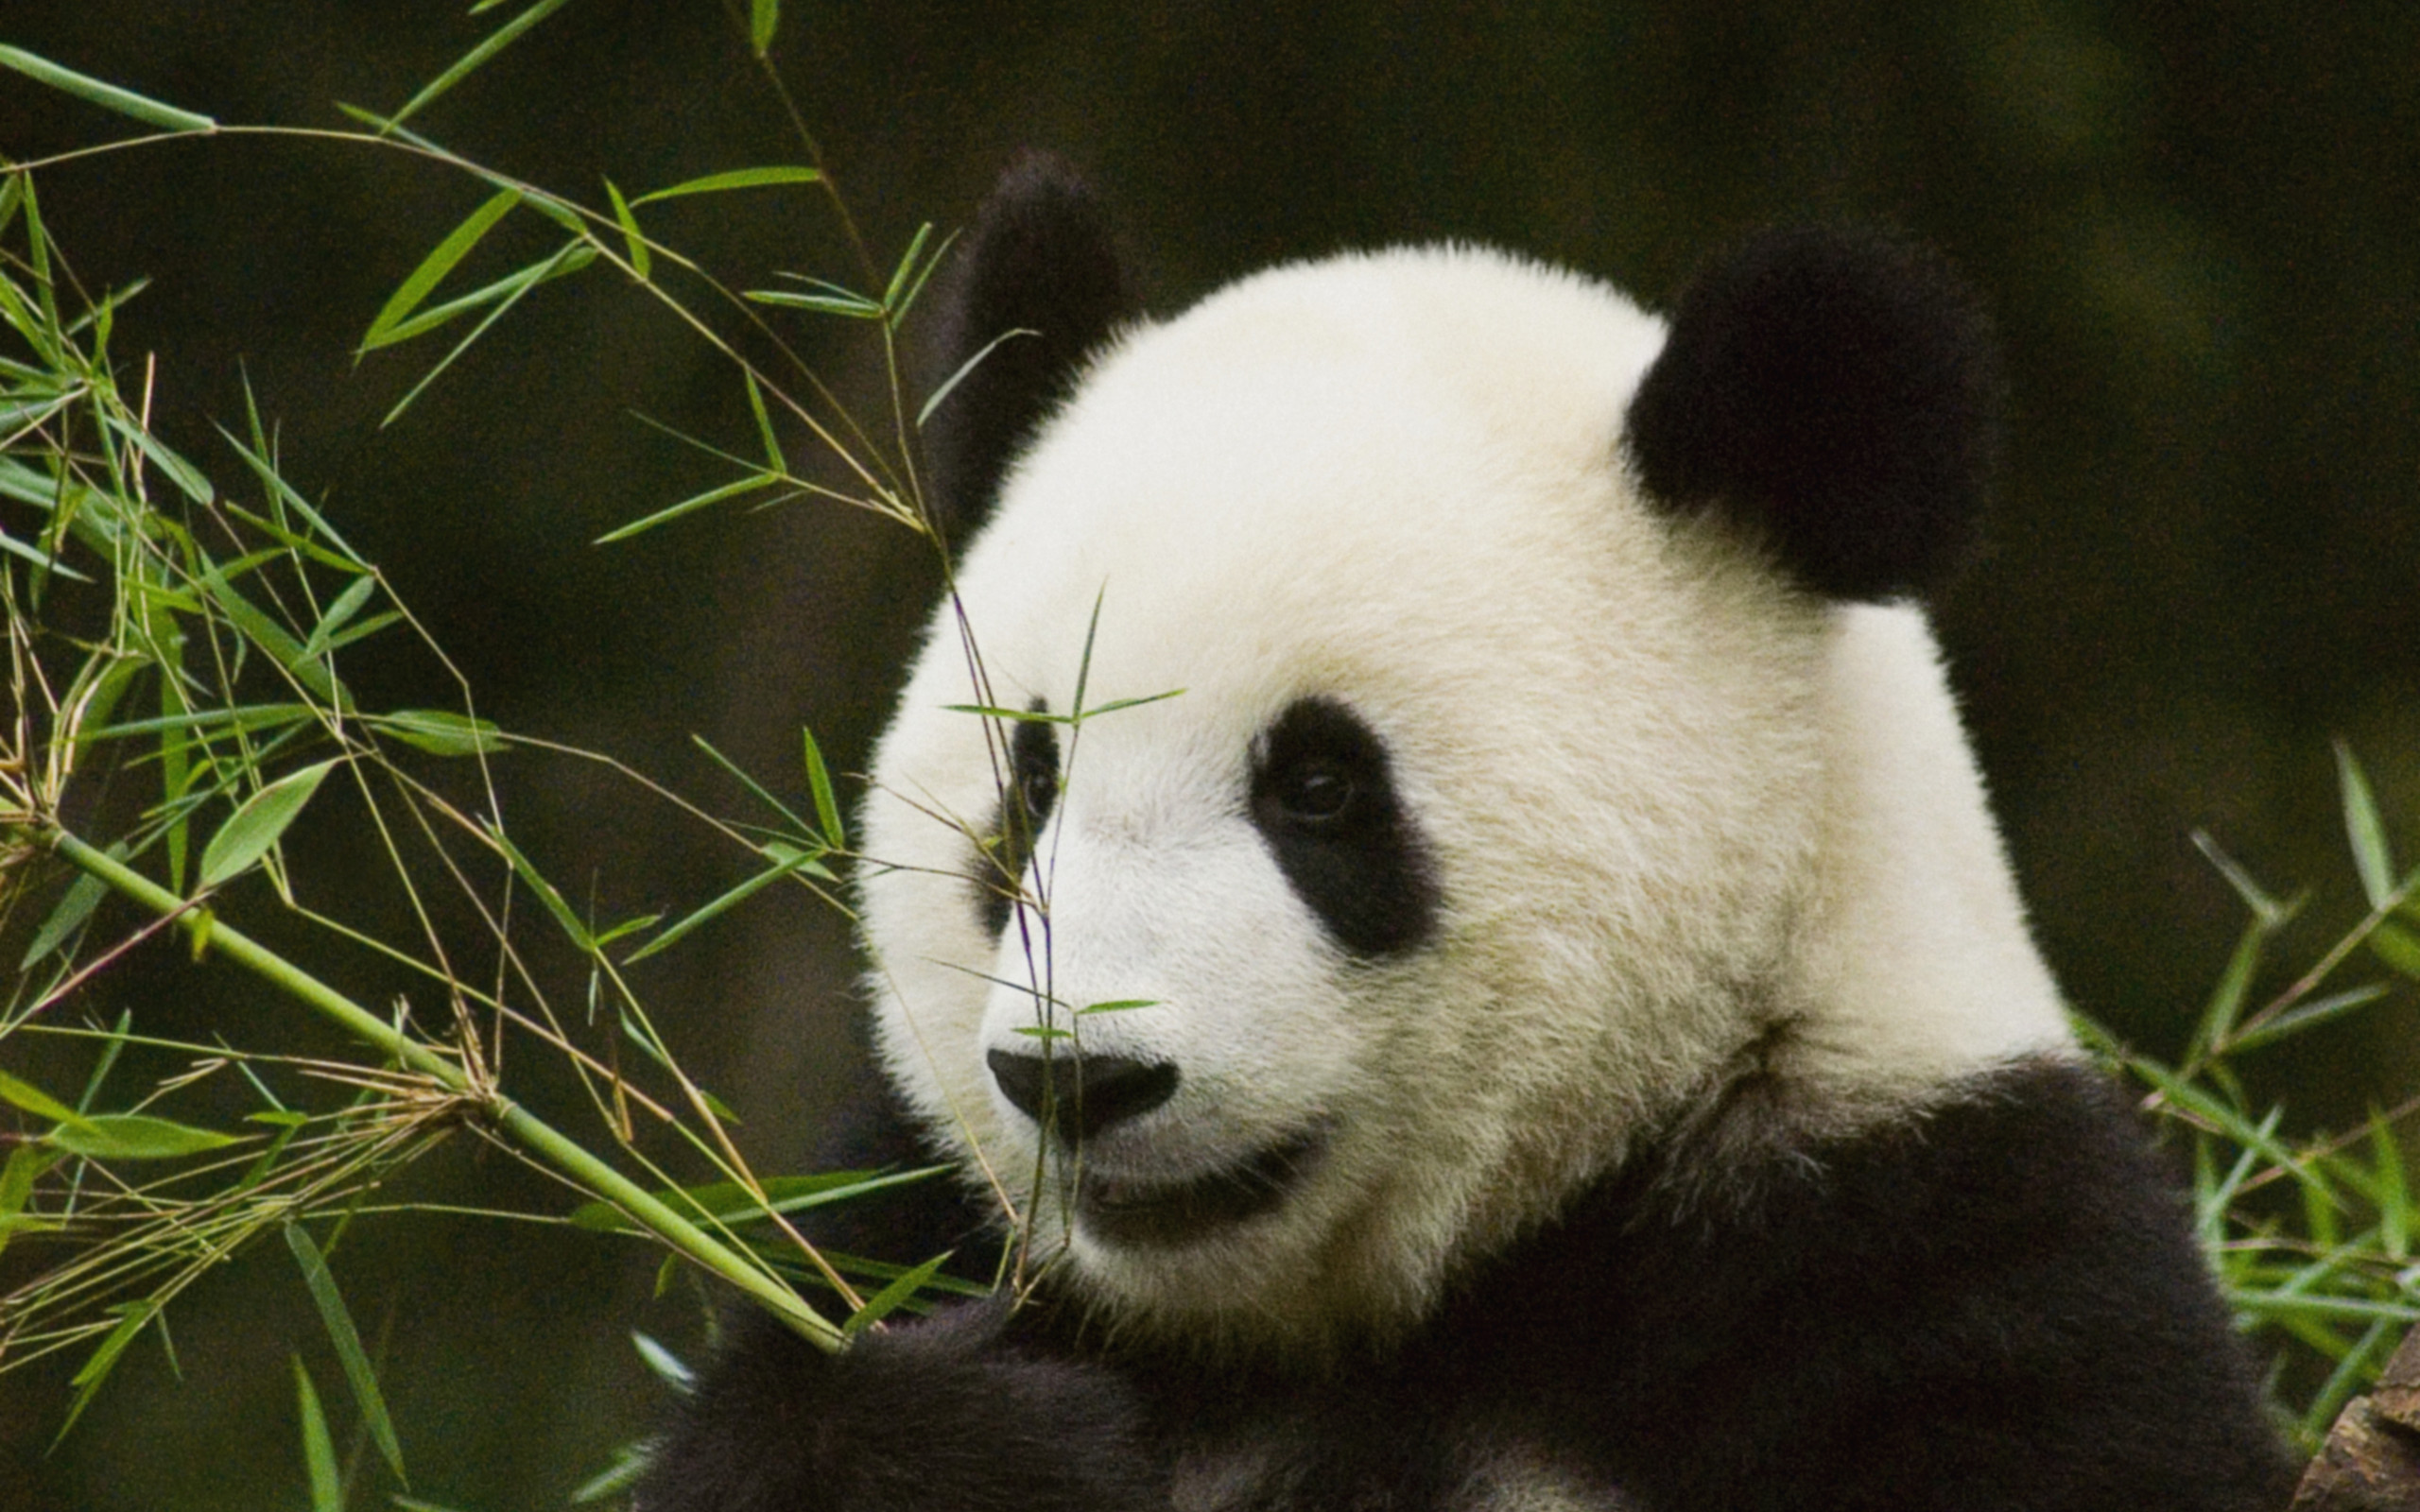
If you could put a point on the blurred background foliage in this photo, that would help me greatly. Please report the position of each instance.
(2200, 227)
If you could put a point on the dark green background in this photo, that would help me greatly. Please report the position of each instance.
(2200, 226)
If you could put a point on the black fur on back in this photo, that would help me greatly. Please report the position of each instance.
(1838, 393)
(1996, 1306)
(1040, 258)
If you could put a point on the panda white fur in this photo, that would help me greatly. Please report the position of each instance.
(1593, 1055)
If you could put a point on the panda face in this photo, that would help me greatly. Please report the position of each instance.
(1471, 812)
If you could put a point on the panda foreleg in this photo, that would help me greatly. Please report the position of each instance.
(938, 1416)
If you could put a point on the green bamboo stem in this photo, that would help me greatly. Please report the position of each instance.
(532, 1133)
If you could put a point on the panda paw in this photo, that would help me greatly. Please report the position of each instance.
(940, 1415)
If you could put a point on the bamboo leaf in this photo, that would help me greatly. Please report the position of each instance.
(764, 16)
(642, 260)
(494, 43)
(319, 1449)
(690, 506)
(441, 732)
(2367, 831)
(546, 892)
(715, 183)
(818, 781)
(631, 1461)
(133, 1136)
(97, 1366)
(803, 861)
(83, 894)
(2398, 947)
(347, 1339)
(108, 96)
(727, 1202)
(433, 268)
(883, 1303)
(2309, 1015)
(907, 268)
(665, 1365)
(848, 305)
(339, 613)
(39, 1103)
(963, 368)
(257, 823)
(571, 259)
(773, 460)
(2268, 910)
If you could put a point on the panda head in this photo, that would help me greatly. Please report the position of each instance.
(1458, 746)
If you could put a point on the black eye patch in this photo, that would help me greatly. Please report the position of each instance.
(1323, 801)
(1024, 808)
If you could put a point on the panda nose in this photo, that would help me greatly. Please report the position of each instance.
(1083, 1094)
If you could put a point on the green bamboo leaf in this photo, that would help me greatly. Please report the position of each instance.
(642, 260)
(257, 823)
(907, 268)
(715, 183)
(2367, 831)
(2268, 910)
(83, 894)
(347, 1339)
(494, 43)
(2227, 998)
(963, 368)
(764, 16)
(2398, 947)
(2394, 1188)
(546, 892)
(108, 96)
(741, 774)
(319, 1449)
(26, 1163)
(631, 1461)
(800, 861)
(818, 781)
(690, 506)
(433, 268)
(663, 1364)
(885, 1302)
(2308, 1016)
(267, 633)
(187, 477)
(133, 1136)
(248, 717)
(39, 1103)
(339, 613)
(441, 732)
(773, 460)
(95, 1369)
(571, 259)
(845, 304)
(727, 1202)
(511, 286)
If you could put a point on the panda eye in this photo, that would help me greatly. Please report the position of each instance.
(1316, 793)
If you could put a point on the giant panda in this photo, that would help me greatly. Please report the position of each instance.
(1471, 945)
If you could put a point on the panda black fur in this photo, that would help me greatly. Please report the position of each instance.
(1594, 1055)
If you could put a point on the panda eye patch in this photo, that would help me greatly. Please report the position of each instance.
(1030, 793)
(1323, 801)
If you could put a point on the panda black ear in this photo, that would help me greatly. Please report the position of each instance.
(1838, 393)
(1038, 259)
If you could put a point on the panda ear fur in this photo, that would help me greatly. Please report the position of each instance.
(1038, 280)
(1837, 393)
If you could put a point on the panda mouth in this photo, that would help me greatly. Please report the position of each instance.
(1121, 1211)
